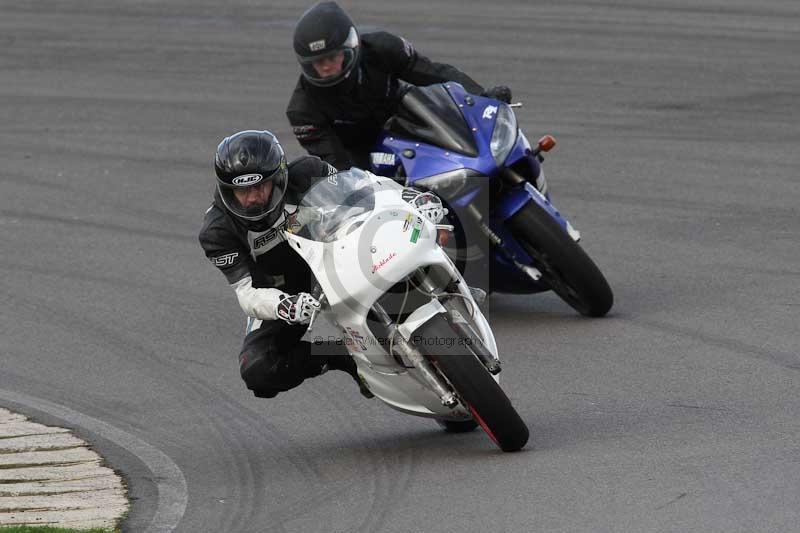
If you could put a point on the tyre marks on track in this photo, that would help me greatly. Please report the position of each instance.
(187, 391)
(244, 465)
(783, 359)
(388, 472)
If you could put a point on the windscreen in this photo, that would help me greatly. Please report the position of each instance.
(333, 206)
(430, 114)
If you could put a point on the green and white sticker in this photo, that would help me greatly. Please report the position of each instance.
(417, 230)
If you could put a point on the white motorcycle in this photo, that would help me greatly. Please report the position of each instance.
(400, 306)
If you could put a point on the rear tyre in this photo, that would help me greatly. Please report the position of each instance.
(489, 405)
(565, 267)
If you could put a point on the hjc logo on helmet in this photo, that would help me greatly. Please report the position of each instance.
(247, 180)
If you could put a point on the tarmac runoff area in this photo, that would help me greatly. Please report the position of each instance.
(49, 477)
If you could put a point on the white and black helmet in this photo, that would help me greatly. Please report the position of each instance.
(252, 162)
(323, 31)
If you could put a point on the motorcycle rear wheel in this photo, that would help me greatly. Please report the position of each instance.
(565, 267)
(480, 393)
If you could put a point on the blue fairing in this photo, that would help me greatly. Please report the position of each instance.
(517, 197)
(429, 160)
(420, 160)
(506, 277)
(466, 198)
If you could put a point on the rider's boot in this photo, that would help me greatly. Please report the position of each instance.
(345, 363)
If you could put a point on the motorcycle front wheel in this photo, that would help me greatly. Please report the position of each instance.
(477, 389)
(458, 426)
(565, 267)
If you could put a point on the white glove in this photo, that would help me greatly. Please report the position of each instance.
(427, 203)
(297, 308)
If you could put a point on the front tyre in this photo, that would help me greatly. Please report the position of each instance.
(565, 267)
(458, 426)
(479, 392)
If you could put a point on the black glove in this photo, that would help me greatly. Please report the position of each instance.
(499, 92)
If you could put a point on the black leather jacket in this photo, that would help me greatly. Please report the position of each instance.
(340, 124)
(263, 255)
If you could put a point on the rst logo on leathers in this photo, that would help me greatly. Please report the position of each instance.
(225, 260)
(262, 240)
(247, 179)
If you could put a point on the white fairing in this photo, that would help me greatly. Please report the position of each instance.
(370, 254)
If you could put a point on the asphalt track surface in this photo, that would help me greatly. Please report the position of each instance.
(678, 158)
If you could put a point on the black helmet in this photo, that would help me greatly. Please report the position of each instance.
(324, 31)
(251, 177)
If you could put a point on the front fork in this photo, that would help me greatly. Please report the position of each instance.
(462, 326)
(410, 352)
(497, 242)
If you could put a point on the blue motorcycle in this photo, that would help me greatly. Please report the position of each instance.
(508, 236)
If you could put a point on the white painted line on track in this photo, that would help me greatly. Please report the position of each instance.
(171, 484)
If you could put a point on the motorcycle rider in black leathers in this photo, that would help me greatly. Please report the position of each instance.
(243, 235)
(351, 84)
